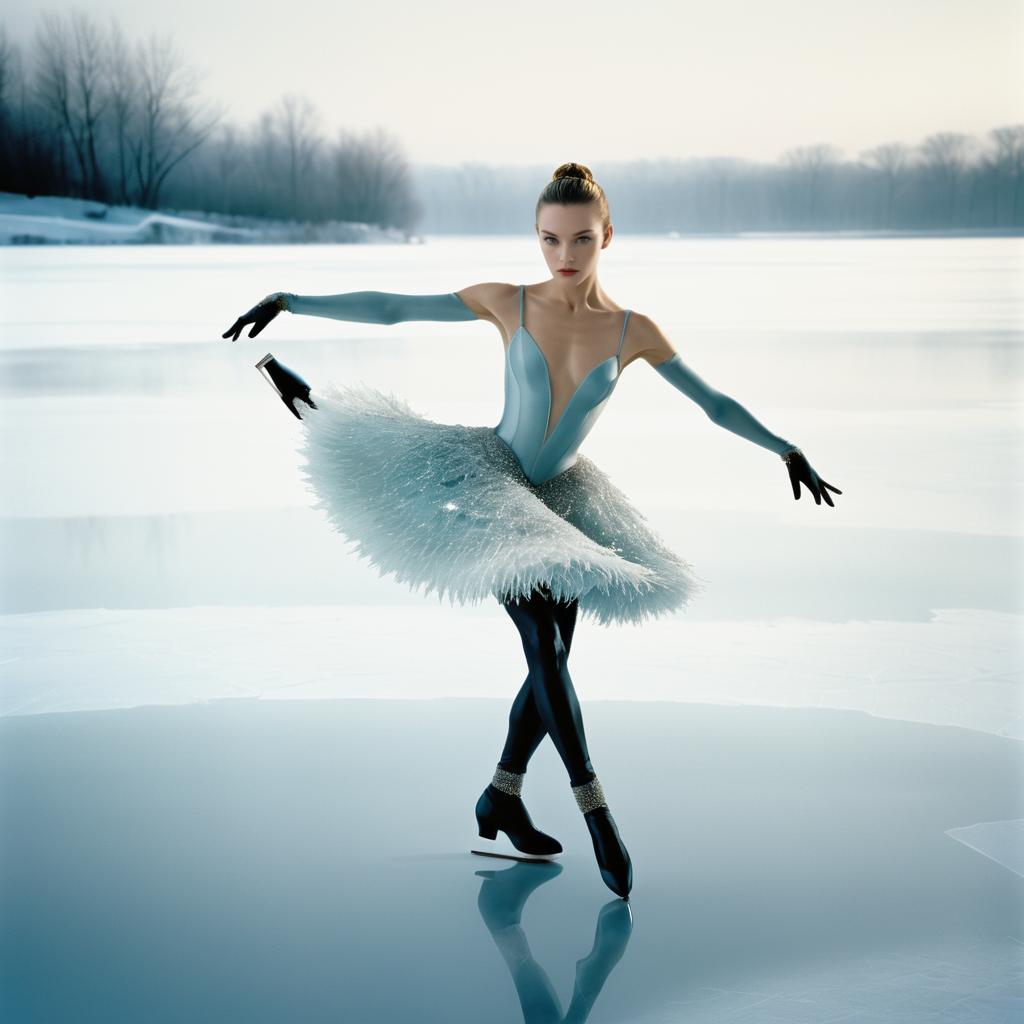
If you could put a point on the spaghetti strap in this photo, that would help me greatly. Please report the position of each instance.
(522, 292)
(622, 337)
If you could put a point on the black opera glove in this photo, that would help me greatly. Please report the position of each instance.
(259, 316)
(725, 411)
(801, 472)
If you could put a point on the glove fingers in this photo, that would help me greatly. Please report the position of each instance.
(259, 316)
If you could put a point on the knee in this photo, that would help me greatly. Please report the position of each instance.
(535, 618)
(544, 640)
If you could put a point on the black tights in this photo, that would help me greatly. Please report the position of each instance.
(547, 702)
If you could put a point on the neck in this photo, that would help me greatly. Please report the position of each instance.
(574, 295)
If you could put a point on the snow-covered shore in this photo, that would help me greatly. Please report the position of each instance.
(59, 220)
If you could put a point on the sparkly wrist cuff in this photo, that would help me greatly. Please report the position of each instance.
(589, 795)
(281, 301)
(508, 782)
(786, 454)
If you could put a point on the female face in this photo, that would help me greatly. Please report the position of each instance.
(571, 238)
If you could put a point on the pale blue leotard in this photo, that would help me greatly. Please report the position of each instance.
(542, 449)
(545, 450)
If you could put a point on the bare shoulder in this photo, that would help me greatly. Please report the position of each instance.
(491, 300)
(647, 341)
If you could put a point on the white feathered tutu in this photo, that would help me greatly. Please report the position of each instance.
(447, 508)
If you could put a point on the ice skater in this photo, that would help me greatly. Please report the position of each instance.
(514, 512)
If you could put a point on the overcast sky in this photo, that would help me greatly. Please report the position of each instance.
(527, 82)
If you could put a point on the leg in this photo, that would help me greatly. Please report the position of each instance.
(550, 682)
(560, 713)
(525, 727)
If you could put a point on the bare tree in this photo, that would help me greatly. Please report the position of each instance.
(53, 85)
(268, 185)
(944, 155)
(171, 121)
(812, 164)
(297, 119)
(719, 174)
(373, 181)
(69, 83)
(28, 161)
(88, 73)
(9, 58)
(891, 160)
(228, 158)
(123, 87)
(1009, 159)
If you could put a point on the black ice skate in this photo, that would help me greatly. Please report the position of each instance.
(497, 810)
(612, 857)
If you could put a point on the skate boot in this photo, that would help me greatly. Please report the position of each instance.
(501, 807)
(612, 856)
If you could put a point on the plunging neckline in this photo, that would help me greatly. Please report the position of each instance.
(547, 374)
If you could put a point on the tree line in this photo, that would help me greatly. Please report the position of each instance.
(86, 112)
(950, 181)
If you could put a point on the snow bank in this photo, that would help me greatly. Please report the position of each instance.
(47, 220)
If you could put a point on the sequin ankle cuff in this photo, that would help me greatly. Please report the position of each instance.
(589, 795)
(508, 782)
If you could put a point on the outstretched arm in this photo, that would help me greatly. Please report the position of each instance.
(362, 307)
(720, 408)
(379, 307)
(726, 412)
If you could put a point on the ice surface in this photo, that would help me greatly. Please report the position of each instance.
(960, 669)
(149, 471)
(262, 861)
(1002, 841)
(787, 762)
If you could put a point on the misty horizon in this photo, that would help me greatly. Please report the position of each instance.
(92, 113)
(746, 85)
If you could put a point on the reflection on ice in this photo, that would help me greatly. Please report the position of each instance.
(502, 897)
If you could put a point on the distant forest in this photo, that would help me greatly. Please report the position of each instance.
(86, 112)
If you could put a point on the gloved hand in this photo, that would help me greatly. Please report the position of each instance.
(800, 471)
(287, 383)
(259, 316)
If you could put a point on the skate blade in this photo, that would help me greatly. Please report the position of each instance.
(502, 847)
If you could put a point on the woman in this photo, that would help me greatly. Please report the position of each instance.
(514, 511)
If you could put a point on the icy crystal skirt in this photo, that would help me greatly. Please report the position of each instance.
(447, 507)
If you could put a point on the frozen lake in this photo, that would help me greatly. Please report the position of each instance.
(151, 488)
(209, 708)
(266, 862)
